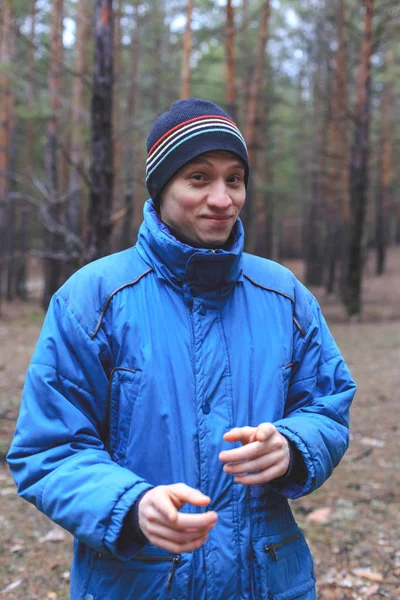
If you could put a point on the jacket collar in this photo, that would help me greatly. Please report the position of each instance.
(194, 272)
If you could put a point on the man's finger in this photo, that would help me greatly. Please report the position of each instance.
(198, 521)
(251, 466)
(244, 435)
(181, 493)
(264, 431)
(164, 506)
(248, 452)
(176, 536)
(261, 477)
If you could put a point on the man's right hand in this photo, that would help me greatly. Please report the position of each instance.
(164, 526)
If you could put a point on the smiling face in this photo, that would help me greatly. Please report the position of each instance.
(203, 200)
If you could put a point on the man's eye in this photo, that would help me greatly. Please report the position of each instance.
(197, 177)
(235, 179)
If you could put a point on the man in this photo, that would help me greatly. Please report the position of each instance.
(181, 391)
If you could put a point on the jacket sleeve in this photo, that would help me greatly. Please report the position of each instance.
(320, 392)
(58, 456)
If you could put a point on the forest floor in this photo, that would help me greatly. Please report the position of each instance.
(352, 523)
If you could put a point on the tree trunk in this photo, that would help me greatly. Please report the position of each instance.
(331, 248)
(118, 124)
(263, 200)
(268, 245)
(78, 127)
(245, 71)
(303, 161)
(131, 169)
(157, 29)
(102, 176)
(315, 230)
(359, 170)
(384, 195)
(10, 217)
(230, 61)
(342, 147)
(5, 128)
(380, 242)
(251, 123)
(339, 150)
(186, 55)
(11, 205)
(53, 243)
(314, 254)
(21, 283)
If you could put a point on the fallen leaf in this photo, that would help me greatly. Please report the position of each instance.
(17, 548)
(54, 535)
(345, 583)
(368, 574)
(367, 592)
(11, 586)
(8, 491)
(372, 442)
(321, 515)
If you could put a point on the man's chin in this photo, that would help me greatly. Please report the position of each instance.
(214, 243)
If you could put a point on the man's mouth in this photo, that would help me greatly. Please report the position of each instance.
(217, 218)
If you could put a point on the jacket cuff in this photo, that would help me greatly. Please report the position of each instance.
(303, 482)
(131, 532)
(296, 471)
(129, 547)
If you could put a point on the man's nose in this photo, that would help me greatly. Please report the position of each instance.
(219, 196)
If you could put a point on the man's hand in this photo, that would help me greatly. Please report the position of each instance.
(264, 454)
(164, 526)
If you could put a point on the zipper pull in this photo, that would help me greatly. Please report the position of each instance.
(270, 549)
(172, 571)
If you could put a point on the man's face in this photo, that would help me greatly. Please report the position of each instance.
(203, 200)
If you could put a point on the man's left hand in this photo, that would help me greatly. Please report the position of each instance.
(264, 454)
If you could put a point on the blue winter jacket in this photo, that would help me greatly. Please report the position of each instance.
(146, 358)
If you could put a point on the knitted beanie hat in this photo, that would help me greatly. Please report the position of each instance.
(189, 128)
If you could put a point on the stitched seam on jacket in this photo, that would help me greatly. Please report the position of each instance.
(263, 287)
(341, 419)
(302, 380)
(76, 320)
(338, 355)
(111, 297)
(232, 417)
(81, 328)
(38, 364)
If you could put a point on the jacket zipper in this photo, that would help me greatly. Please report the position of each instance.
(272, 548)
(172, 559)
(175, 561)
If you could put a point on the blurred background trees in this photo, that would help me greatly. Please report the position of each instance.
(313, 84)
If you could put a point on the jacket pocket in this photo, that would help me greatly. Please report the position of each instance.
(284, 567)
(123, 391)
(153, 574)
